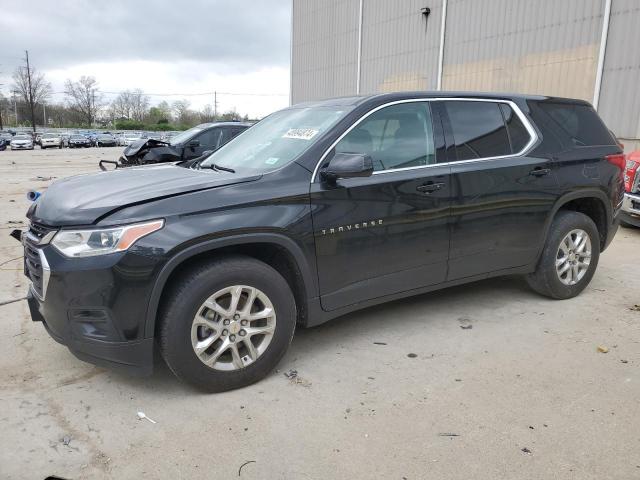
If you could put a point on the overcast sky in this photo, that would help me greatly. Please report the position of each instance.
(159, 46)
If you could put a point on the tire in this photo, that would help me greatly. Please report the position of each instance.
(546, 279)
(185, 299)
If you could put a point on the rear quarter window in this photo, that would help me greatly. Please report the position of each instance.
(580, 123)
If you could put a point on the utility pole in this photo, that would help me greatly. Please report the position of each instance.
(215, 106)
(44, 114)
(33, 117)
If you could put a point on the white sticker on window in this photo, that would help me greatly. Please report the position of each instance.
(271, 160)
(301, 133)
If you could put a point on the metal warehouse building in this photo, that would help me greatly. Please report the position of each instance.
(587, 49)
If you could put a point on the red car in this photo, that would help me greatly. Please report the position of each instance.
(630, 215)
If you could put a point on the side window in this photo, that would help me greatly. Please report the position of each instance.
(478, 129)
(230, 133)
(579, 122)
(398, 136)
(210, 139)
(518, 134)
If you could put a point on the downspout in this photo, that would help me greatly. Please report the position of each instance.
(601, 55)
(359, 48)
(442, 37)
(291, 58)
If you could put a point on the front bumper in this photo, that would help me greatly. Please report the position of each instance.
(630, 212)
(97, 307)
(22, 147)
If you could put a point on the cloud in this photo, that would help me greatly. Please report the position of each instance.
(159, 46)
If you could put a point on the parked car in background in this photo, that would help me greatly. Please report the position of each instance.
(186, 145)
(77, 141)
(6, 136)
(105, 140)
(128, 138)
(316, 211)
(21, 142)
(48, 140)
(630, 215)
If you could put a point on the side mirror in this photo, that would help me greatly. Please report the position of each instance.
(348, 165)
(194, 143)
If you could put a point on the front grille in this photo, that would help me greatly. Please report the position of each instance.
(38, 230)
(33, 266)
(33, 261)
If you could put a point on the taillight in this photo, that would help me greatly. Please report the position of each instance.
(619, 160)
(632, 167)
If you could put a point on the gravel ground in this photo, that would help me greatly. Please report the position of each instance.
(397, 391)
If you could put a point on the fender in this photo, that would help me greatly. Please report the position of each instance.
(564, 199)
(211, 245)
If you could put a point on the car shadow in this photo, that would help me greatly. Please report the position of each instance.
(372, 322)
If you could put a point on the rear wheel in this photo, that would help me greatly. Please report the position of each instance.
(569, 258)
(226, 323)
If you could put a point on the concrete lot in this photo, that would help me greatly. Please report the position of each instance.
(526, 376)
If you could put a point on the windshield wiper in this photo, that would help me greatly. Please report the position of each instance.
(213, 166)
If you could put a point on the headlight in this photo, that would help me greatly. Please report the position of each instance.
(88, 243)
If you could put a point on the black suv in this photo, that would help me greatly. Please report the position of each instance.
(318, 210)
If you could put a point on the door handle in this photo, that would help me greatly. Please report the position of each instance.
(540, 172)
(429, 188)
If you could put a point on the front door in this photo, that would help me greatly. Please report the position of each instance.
(387, 233)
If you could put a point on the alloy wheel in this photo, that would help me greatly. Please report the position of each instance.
(233, 328)
(573, 257)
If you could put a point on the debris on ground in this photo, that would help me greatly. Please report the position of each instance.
(142, 415)
(412, 355)
(40, 178)
(525, 450)
(465, 323)
(602, 349)
(7, 302)
(245, 463)
(447, 434)
(635, 308)
(379, 343)
(66, 440)
(624, 361)
(14, 222)
(295, 379)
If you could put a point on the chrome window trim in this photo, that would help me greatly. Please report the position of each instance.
(525, 121)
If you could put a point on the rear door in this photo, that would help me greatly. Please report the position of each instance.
(500, 196)
(386, 233)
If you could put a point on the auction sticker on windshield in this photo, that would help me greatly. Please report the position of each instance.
(301, 133)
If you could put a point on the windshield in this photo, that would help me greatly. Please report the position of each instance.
(21, 137)
(184, 136)
(77, 137)
(277, 140)
(50, 135)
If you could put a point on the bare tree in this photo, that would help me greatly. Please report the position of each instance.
(121, 105)
(139, 105)
(181, 110)
(84, 98)
(31, 86)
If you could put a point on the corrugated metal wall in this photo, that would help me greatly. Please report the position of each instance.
(530, 46)
(399, 45)
(544, 46)
(620, 92)
(325, 48)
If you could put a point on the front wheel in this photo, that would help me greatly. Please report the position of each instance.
(569, 258)
(226, 323)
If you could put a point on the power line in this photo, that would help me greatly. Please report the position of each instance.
(195, 94)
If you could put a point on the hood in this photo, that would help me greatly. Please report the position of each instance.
(83, 199)
(137, 145)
